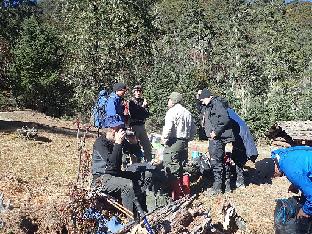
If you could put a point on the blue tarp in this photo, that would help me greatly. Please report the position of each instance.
(104, 226)
(245, 134)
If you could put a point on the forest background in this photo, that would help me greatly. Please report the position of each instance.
(55, 55)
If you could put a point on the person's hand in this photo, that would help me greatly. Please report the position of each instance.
(120, 136)
(198, 93)
(253, 158)
(293, 189)
(163, 141)
(213, 135)
(301, 214)
(144, 103)
(155, 162)
(132, 139)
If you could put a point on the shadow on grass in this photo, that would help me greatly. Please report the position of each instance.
(43, 139)
(28, 226)
(262, 173)
(12, 126)
(232, 229)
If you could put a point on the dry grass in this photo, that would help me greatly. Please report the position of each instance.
(36, 177)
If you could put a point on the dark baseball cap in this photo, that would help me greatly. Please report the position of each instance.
(137, 87)
(119, 86)
(205, 94)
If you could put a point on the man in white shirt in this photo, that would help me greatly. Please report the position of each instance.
(179, 129)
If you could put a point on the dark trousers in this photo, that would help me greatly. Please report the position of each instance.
(175, 156)
(119, 185)
(202, 134)
(217, 151)
(239, 157)
(141, 134)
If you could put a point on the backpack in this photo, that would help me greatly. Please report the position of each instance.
(285, 221)
(99, 112)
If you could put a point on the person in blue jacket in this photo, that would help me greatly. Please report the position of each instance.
(296, 164)
(114, 106)
(244, 147)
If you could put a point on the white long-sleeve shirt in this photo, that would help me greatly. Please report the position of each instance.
(179, 123)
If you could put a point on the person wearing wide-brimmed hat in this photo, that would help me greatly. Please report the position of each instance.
(179, 129)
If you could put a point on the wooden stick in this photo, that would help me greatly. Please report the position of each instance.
(121, 208)
(280, 143)
(113, 202)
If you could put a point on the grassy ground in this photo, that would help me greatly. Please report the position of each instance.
(36, 177)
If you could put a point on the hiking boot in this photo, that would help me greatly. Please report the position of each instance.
(227, 182)
(240, 181)
(213, 192)
(227, 187)
(215, 189)
(240, 184)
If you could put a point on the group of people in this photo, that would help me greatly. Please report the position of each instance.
(125, 133)
(220, 123)
(132, 114)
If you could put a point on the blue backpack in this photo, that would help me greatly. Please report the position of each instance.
(99, 111)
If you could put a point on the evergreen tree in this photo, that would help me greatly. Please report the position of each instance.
(105, 41)
(35, 71)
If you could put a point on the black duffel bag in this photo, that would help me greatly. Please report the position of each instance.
(285, 221)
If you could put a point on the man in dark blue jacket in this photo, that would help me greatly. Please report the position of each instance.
(296, 164)
(244, 147)
(115, 107)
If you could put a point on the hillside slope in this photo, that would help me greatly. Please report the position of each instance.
(36, 177)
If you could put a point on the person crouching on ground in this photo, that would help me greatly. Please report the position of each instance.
(296, 164)
(107, 162)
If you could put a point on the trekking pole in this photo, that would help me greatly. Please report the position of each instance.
(79, 148)
(81, 145)
(143, 216)
(148, 226)
(116, 204)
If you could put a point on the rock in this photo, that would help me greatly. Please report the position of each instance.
(4, 207)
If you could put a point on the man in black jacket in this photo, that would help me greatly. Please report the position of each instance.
(106, 166)
(139, 112)
(218, 128)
